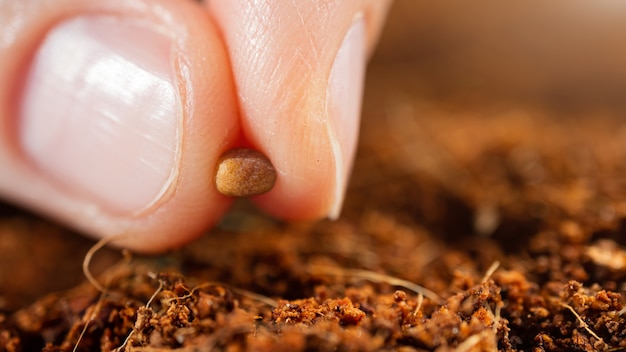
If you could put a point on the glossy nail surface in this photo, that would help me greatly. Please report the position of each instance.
(101, 115)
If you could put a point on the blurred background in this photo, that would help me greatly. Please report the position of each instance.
(570, 55)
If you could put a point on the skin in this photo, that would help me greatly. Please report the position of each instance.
(223, 107)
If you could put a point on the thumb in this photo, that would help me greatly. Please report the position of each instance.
(113, 115)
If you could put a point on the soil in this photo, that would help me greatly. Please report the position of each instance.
(467, 227)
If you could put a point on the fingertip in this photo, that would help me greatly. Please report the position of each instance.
(299, 72)
(125, 137)
(303, 190)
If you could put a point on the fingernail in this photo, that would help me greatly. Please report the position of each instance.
(344, 95)
(100, 112)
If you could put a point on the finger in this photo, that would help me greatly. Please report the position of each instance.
(113, 115)
(298, 67)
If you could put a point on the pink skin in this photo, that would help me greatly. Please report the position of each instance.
(224, 74)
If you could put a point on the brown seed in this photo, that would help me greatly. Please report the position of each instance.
(244, 173)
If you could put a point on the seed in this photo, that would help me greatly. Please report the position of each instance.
(243, 173)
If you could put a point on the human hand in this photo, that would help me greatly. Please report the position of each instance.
(113, 114)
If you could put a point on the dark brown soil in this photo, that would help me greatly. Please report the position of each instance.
(510, 218)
